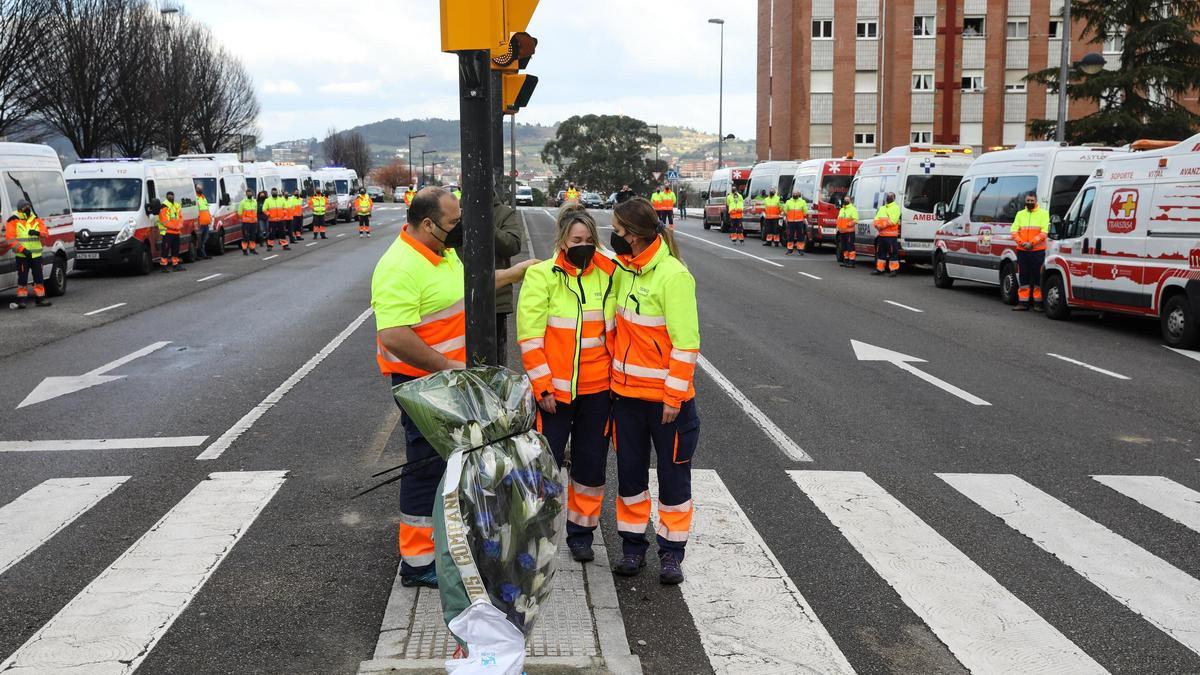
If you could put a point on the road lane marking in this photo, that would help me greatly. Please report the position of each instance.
(114, 623)
(1194, 355)
(104, 309)
(987, 628)
(53, 387)
(867, 352)
(1088, 366)
(1177, 502)
(528, 239)
(728, 248)
(32, 519)
(72, 445)
(270, 257)
(810, 276)
(312, 244)
(773, 432)
(341, 235)
(211, 276)
(754, 620)
(241, 426)
(1164, 595)
(911, 309)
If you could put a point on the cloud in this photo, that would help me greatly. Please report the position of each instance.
(281, 88)
(361, 88)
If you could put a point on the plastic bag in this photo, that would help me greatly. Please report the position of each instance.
(502, 507)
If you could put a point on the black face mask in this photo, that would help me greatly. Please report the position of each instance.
(619, 245)
(1030, 206)
(581, 255)
(454, 237)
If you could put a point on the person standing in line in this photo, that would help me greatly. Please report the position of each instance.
(1030, 229)
(296, 210)
(408, 196)
(795, 211)
(264, 218)
(735, 204)
(417, 293)
(25, 234)
(248, 209)
(362, 212)
(887, 244)
(571, 194)
(655, 348)
(318, 203)
(772, 212)
(277, 211)
(668, 202)
(847, 223)
(683, 205)
(170, 231)
(205, 224)
(563, 319)
(656, 203)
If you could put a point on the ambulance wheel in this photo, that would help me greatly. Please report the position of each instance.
(1179, 323)
(707, 225)
(144, 262)
(1054, 298)
(813, 243)
(724, 223)
(218, 247)
(1008, 283)
(56, 285)
(190, 255)
(941, 275)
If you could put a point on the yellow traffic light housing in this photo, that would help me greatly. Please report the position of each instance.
(518, 89)
(517, 14)
(473, 25)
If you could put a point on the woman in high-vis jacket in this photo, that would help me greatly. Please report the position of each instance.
(564, 321)
(654, 349)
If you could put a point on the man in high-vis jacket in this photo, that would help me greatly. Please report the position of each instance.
(772, 212)
(417, 292)
(277, 210)
(295, 206)
(656, 201)
(362, 211)
(248, 210)
(1030, 229)
(795, 212)
(25, 234)
(668, 206)
(408, 195)
(170, 231)
(847, 223)
(203, 225)
(735, 205)
(887, 244)
(318, 202)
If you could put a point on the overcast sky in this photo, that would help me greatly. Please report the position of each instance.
(381, 58)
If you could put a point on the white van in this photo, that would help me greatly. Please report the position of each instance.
(524, 196)
(1130, 242)
(975, 243)
(920, 175)
(263, 177)
(341, 184)
(32, 171)
(223, 179)
(764, 177)
(116, 203)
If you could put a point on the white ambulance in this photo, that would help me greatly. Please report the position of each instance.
(298, 177)
(920, 175)
(341, 185)
(263, 177)
(223, 179)
(975, 243)
(32, 172)
(1130, 242)
(116, 204)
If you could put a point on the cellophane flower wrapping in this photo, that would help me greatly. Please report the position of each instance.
(497, 528)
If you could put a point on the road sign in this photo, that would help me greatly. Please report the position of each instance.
(514, 173)
(656, 174)
(672, 175)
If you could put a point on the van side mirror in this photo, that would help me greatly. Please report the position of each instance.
(704, 194)
(1056, 227)
(153, 207)
(225, 199)
(939, 211)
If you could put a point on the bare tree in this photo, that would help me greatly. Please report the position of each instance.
(22, 49)
(334, 147)
(136, 97)
(227, 106)
(390, 176)
(358, 153)
(179, 69)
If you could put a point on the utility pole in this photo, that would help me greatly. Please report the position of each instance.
(720, 92)
(512, 137)
(657, 138)
(1064, 68)
(410, 159)
(496, 82)
(479, 244)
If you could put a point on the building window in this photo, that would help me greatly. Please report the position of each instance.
(923, 26)
(822, 29)
(1015, 87)
(1018, 29)
(920, 137)
(867, 30)
(922, 82)
(973, 26)
(1115, 42)
(972, 83)
(864, 138)
(1055, 32)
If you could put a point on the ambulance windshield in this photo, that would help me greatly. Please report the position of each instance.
(922, 192)
(92, 195)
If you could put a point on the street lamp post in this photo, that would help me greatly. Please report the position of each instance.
(433, 170)
(410, 162)
(657, 139)
(720, 92)
(423, 153)
(1064, 66)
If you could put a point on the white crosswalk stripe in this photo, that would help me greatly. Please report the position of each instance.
(1143, 582)
(114, 623)
(33, 518)
(1175, 501)
(987, 628)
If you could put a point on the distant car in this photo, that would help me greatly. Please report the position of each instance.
(524, 195)
(398, 194)
(592, 200)
(611, 201)
(375, 192)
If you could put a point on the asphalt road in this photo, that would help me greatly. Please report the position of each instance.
(302, 587)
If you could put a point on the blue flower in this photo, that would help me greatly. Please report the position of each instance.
(552, 489)
(509, 592)
(525, 560)
(491, 548)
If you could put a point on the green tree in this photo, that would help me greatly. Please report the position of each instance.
(1160, 63)
(601, 153)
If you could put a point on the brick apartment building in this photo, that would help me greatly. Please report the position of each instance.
(868, 75)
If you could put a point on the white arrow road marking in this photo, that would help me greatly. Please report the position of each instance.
(75, 444)
(270, 257)
(211, 276)
(866, 352)
(773, 432)
(53, 387)
(728, 248)
(1185, 352)
(1088, 366)
(810, 276)
(103, 309)
(911, 309)
(33, 518)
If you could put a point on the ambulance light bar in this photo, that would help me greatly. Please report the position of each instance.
(93, 160)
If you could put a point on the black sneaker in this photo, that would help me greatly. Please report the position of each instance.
(670, 573)
(893, 273)
(428, 579)
(581, 551)
(253, 251)
(874, 272)
(1037, 307)
(630, 565)
(42, 302)
(166, 270)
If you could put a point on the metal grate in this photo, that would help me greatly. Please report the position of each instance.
(97, 242)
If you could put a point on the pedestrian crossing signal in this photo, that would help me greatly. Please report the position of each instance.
(518, 89)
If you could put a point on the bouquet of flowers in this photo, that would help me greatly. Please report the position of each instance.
(501, 507)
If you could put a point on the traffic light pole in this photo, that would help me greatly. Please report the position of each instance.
(479, 246)
(497, 85)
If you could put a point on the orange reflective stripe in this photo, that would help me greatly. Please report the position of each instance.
(416, 544)
(584, 504)
(674, 521)
(633, 513)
